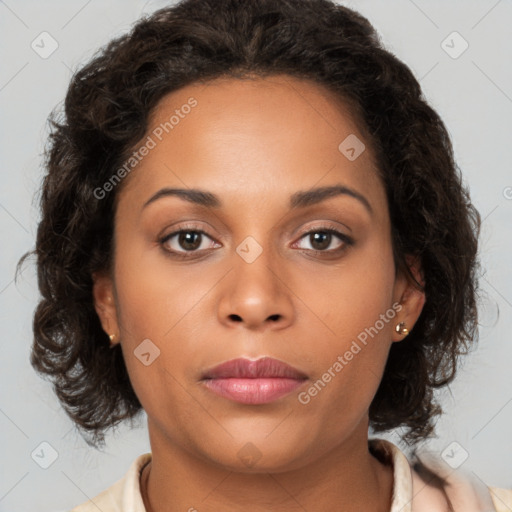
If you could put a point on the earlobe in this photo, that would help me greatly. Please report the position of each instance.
(412, 299)
(104, 304)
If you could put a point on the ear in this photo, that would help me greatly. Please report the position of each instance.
(105, 305)
(407, 294)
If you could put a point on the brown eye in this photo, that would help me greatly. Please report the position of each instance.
(187, 241)
(321, 240)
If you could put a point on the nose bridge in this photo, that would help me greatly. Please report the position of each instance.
(255, 294)
(253, 268)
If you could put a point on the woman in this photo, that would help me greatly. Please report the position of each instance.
(255, 204)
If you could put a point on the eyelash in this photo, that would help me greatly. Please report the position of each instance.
(346, 240)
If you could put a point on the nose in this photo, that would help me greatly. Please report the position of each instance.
(256, 296)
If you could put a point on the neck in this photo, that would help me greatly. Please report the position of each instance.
(346, 478)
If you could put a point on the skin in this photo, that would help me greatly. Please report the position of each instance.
(254, 143)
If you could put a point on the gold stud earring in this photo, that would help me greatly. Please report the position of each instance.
(112, 338)
(401, 329)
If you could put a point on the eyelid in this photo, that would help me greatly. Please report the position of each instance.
(322, 226)
(184, 228)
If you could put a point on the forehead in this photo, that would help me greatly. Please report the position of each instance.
(257, 134)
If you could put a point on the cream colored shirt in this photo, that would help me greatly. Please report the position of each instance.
(411, 493)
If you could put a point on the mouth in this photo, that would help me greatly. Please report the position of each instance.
(253, 382)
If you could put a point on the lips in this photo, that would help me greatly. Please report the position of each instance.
(253, 382)
(266, 367)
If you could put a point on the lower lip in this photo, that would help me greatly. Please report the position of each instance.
(253, 391)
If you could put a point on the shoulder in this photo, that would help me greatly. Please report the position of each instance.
(502, 499)
(462, 488)
(428, 484)
(122, 496)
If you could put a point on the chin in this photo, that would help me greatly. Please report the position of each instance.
(258, 453)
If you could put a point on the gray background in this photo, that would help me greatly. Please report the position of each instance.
(472, 93)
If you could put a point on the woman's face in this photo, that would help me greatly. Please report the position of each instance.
(269, 264)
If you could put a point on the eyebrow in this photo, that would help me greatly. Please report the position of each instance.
(317, 195)
(299, 199)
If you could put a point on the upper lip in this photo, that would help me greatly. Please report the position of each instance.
(265, 367)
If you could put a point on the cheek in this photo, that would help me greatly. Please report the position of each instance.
(150, 306)
(354, 320)
(164, 304)
(154, 294)
(351, 298)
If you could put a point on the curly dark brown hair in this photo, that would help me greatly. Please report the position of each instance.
(106, 113)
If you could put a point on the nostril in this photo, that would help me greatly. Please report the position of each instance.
(274, 318)
(236, 318)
